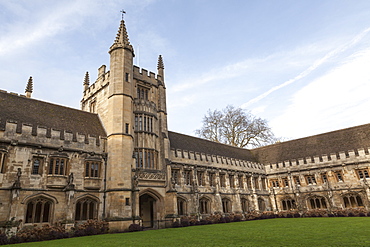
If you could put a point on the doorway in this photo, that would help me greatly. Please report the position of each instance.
(147, 210)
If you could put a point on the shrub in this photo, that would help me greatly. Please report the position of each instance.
(356, 211)
(253, 215)
(193, 222)
(297, 215)
(268, 215)
(214, 218)
(316, 213)
(4, 239)
(35, 233)
(135, 228)
(339, 213)
(15, 240)
(176, 224)
(225, 219)
(203, 222)
(185, 222)
(91, 227)
(237, 218)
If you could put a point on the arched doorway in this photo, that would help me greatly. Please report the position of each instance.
(147, 210)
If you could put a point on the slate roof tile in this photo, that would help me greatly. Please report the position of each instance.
(39, 113)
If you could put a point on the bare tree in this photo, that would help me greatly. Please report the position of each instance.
(235, 127)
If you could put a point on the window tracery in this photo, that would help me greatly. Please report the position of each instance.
(226, 205)
(352, 201)
(204, 206)
(39, 210)
(317, 202)
(58, 166)
(288, 204)
(86, 209)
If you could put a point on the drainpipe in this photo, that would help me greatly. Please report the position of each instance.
(105, 158)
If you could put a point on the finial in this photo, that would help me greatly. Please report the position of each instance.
(29, 88)
(122, 40)
(123, 12)
(86, 81)
(160, 63)
(160, 68)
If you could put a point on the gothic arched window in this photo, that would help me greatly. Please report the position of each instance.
(204, 206)
(261, 204)
(245, 205)
(288, 204)
(352, 201)
(38, 210)
(86, 209)
(226, 205)
(317, 202)
(181, 206)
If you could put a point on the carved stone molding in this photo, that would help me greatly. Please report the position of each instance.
(156, 175)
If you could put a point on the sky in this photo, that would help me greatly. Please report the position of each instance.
(304, 66)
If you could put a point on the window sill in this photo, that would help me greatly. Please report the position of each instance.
(92, 183)
(56, 181)
(55, 175)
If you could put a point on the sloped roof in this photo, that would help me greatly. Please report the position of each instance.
(331, 142)
(39, 113)
(190, 143)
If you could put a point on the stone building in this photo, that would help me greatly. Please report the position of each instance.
(116, 160)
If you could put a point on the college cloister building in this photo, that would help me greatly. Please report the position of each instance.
(116, 160)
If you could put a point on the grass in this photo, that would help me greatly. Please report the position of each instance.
(348, 231)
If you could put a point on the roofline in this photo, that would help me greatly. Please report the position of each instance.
(54, 104)
(211, 141)
(308, 137)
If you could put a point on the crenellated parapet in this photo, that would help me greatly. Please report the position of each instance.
(321, 161)
(17, 133)
(215, 161)
(146, 77)
(100, 83)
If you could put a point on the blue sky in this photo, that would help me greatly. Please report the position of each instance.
(302, 65)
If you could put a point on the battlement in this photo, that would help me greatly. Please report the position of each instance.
(12, 93)
(141, 74)
(320, 161)
(191, 157)
(101, 82)
(23, 133)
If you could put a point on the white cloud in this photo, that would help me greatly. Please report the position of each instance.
(41, 21)
(339, 99)
(313, 67)
(223, 73)
(257, 110)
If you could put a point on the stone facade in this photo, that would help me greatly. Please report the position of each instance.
(116, 160)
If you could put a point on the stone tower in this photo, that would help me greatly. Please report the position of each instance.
(111, 96)
(131, 103)
(119, 124)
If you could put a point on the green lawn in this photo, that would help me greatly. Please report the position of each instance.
(349, 231)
